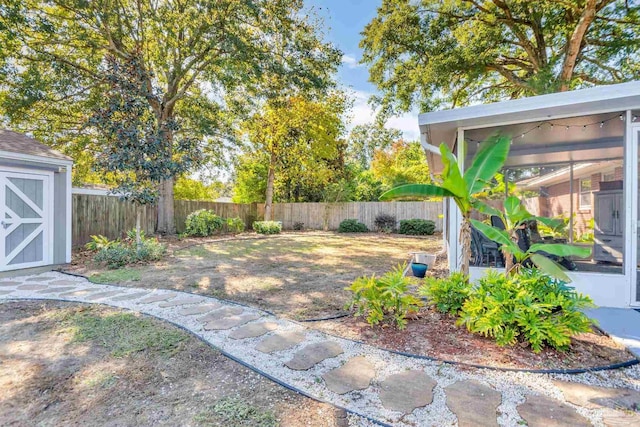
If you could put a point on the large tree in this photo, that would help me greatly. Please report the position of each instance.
(456, 52)
(201, 60)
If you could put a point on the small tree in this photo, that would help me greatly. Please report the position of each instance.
(461, 188)
(134, 144)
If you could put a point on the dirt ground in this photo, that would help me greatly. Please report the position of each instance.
(299, 275)
(69, 364)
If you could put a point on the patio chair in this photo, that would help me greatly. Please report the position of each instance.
(483, 250)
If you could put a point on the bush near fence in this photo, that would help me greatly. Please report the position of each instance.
(109, 216)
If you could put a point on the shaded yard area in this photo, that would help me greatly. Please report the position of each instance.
(295, 275)
(70, 364)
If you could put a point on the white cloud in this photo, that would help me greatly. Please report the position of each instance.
(362, 113)
(350, 61)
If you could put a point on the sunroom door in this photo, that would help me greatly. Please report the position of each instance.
(25, 225)
(635, 235)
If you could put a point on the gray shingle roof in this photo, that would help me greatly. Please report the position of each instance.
(15, 142)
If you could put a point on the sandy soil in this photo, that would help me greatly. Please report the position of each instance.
(49, 377)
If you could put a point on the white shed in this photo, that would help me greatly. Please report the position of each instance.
(35, 203)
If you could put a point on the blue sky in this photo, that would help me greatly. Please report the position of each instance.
(344, 20)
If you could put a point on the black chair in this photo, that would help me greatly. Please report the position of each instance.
(484, 250)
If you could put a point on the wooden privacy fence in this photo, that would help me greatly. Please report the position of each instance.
(328, 216)
(109, 216)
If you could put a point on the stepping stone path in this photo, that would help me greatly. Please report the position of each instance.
(280, 341)
(156, 298)
(230, 322)
(253, 330)
(356, 374)
(388, 388)
(313, 354)
(199, 309)
(542, 411)
(407, 391)
(473, 403)
(180, 301)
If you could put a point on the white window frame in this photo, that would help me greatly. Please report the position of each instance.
(581, 205)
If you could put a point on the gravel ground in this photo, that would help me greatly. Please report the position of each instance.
(514, 386)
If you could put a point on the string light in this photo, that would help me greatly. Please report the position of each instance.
(621, 117)
(634, 118)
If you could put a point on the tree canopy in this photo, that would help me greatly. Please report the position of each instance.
(455, 52)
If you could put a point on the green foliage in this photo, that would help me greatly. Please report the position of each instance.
(417, 227)
(452, 53)
(235, 225)
(120, 254)
(233, 412)
(515, 216)
(203, 223)
(530, 307)
(192, 189)
(384, 299)
(366, 139)
(123, 334)
(403, 163)
(99, 242)
(352, 226)
(385, 223)
(267, 227)
(131, 234)
(447, 294)
(116, 276)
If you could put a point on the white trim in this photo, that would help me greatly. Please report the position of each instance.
(33, 158)
(92, 192)
(580, 205)
(631, 207)
(69, 213)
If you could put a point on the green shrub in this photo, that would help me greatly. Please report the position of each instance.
(447, 294)
(235, 225)
(529, 307)
(203, 223)
(417, 227)
(123, 253)
(352, 226)
(384, 299)
(385, 223)
(99, 242)
(131, 234)
(267, 227)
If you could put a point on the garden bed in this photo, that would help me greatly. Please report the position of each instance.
(436, 335)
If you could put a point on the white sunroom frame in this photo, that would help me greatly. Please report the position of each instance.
(613, 290)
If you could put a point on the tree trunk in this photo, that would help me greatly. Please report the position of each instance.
(575, 44)
(268, 202)
(465, 243)
(138, 238)
(166, 218)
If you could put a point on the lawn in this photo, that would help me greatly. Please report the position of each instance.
(69, 364)
(295, 275)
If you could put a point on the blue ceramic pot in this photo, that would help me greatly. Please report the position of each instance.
(419, 270)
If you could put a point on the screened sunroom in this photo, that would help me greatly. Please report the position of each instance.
(573, 156)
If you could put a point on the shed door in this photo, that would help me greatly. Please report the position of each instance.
(26, 224)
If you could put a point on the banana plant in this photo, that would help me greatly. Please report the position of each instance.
(514, 217)
(461, 188)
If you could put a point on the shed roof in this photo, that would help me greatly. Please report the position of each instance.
(20, 143)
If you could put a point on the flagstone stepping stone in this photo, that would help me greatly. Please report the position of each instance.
(313, 354)
(55, 290)
(594, 397)
(612, 418)
(155, 298)
(219, 314)
(407, 391)
(180, 301)
(253, 330)
(199, 309)
(473, 403)
(32, 287)
(3, 292)
(356, 374)
(543, 411)
(75, 293)
(230, 322)
(40, 278)
(128, 297)
(101, 295)
(280, 341)
(10, 283)
(63, 283)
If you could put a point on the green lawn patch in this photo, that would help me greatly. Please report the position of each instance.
(116, 276)
(233, 412)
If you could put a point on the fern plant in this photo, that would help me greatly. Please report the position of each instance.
(384, 299)
(446, 294)
(99, 242)
(531, 307)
